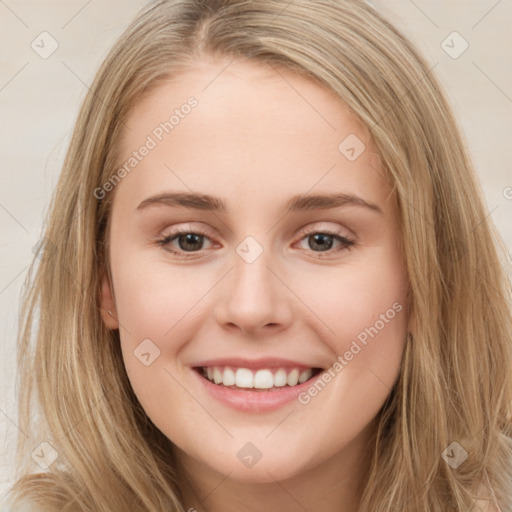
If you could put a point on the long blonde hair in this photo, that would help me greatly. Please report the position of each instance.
(454, 384)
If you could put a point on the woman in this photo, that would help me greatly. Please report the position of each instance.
(273, 369)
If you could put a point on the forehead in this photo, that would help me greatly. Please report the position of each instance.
(253, 126)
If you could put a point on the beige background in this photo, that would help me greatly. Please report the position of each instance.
(39, 98)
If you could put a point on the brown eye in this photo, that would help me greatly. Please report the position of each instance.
(186, 241)
(189, 241)
(323, 241)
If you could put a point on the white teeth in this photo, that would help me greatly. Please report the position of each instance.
(260, 379)
(293, 377)
(263, 379)
(228, 379)
(244, 378)
(217, 376)
(280, 378)
(305, 375)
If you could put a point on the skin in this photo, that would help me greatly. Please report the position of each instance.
(256, 138)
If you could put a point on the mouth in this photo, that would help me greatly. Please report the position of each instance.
(264, 379)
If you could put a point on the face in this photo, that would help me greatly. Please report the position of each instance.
(263, 281)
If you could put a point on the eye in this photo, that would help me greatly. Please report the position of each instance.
(324, 239)
(189, 241)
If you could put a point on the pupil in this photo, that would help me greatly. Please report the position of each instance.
(189, 238)
(323, 246)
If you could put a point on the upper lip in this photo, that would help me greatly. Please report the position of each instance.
(265, 362)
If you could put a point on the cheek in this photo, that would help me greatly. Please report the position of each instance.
(152, 297)
(362, 305)
(152, 303)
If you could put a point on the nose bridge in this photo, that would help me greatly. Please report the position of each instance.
(253, 296)
(252, 281)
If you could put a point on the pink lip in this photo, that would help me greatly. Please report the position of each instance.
(254, 401)
(254, 364)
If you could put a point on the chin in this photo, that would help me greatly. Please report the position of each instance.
(264, 471)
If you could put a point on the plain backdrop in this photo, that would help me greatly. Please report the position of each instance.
(40, 95)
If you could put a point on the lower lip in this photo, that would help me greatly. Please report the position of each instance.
(255, 401)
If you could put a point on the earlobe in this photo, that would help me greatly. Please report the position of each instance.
(107, 303)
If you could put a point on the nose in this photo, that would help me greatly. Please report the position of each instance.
(254, 298)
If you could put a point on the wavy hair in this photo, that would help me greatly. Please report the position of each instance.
(454, 384)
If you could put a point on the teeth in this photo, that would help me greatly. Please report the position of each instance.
(305, 375)
(244, 378)
(217, 376)
(280, 378)
(293, 377)
(228, 379)
(261, 379)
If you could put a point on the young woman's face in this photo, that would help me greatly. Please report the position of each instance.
(288, 260)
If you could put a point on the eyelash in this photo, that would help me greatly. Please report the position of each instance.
(164, 242)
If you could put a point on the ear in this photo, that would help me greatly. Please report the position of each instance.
(107, 303)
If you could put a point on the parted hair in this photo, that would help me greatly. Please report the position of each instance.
(454, 384)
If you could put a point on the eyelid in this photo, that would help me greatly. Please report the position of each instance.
(188, 227)
(164, 240)
(308, 229)
(321, 229)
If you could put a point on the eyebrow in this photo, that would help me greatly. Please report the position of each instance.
(207, 202)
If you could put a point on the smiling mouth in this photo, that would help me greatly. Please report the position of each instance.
(265, 379)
